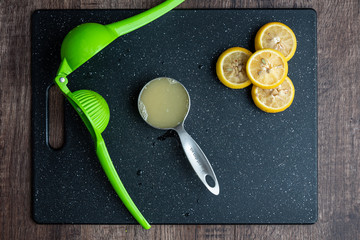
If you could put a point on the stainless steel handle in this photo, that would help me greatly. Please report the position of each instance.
(197, 159)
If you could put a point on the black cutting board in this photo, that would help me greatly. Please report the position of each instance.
(266, 164)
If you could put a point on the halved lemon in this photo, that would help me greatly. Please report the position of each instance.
(274, 100)
(277, 36)
(231, 67)
(267, 68)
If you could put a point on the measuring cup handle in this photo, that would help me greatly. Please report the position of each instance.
(197, 159)
(115, 181)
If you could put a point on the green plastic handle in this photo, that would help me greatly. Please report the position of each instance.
(115, 181)
(130, 24)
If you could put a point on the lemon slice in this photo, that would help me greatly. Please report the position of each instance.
(231, 67)
(277, 36)
(267, 68)
(274, 100)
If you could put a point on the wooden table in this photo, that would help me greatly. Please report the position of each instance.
(338, 136)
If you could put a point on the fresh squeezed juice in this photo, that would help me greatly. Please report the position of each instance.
(164, 103)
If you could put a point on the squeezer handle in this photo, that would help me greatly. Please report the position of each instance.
(115, 181)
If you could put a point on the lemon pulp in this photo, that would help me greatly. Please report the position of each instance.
(234, 67)
(267, 68)
(274, 100)
(231, 67)
(278, 36)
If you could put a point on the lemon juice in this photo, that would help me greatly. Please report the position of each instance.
(164, 103)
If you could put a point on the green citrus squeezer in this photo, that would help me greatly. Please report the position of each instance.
(81, 44)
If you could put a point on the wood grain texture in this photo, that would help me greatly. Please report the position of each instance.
(338, 134)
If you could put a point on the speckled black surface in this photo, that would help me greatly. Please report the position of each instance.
(266, 164)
